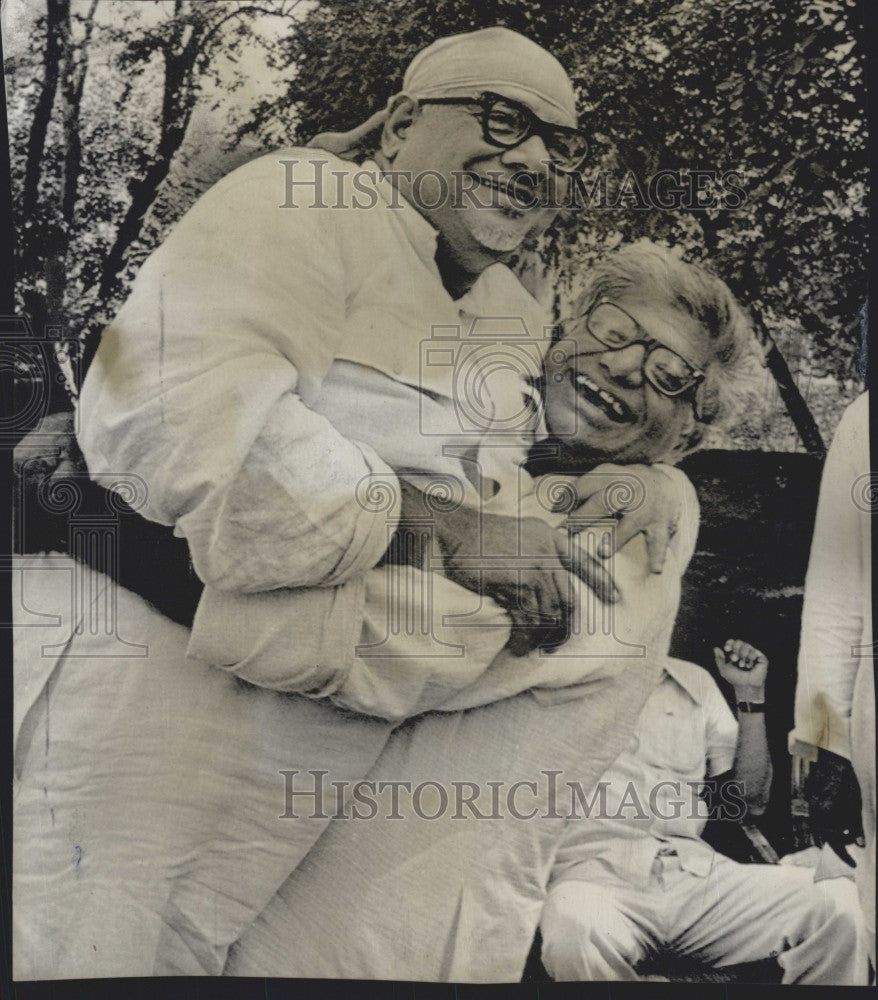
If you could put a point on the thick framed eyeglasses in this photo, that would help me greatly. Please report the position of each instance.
(663, 368)
(507, 123)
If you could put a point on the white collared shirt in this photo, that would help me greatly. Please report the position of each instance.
(650, 799)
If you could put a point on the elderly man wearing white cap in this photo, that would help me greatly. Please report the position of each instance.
(205, 382)
(505, 185)
(208, 386)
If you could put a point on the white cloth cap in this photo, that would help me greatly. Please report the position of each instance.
(498, 60)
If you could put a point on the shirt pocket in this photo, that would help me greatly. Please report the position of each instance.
(672, 741)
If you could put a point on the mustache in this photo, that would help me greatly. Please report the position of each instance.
(526, 190)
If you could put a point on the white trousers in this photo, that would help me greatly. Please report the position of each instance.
(604, 928)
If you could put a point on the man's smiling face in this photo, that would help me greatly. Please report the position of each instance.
(598, 403)
(484, 200)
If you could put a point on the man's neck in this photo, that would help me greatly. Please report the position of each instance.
(550, 456)
(457, 277)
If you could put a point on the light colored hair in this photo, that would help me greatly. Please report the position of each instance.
(732, 377)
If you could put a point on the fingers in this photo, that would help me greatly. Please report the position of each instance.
(625, 529)
(559, 622)
(524, 638)
(730, 647)
(658, 538)
(591, 571)
(737, 655)
(524, 619)
(591, 510)
(591, 485)
(720, 657)
(658, 533)
(540, 612)
(554, 637)
(551, 613)
(371, 124)
(519, 642)
(742, 654)
(345, 144)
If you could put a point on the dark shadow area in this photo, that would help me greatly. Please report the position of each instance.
(746, 581)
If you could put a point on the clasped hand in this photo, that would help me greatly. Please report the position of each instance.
(525, 565)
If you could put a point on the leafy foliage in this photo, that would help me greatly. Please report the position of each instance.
(769, 95)
(173, 94)
(145, 75)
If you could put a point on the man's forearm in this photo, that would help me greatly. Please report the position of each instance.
(204, 383)
(301, 511)
(752, 760)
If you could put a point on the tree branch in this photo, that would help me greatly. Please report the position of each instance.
(208, 37)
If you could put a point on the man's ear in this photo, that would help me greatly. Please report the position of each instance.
(402, 112)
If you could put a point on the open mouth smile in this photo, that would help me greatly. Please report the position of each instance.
(613, 407)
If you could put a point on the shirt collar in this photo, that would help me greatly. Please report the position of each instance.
(689, 676)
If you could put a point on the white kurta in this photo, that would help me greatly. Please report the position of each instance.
(205, 386)
(148, 798)
(203, 383)
(458, 897)
(201, 388)
(835, 694)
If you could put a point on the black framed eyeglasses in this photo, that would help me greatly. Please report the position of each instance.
(663, 368)
(506, 123)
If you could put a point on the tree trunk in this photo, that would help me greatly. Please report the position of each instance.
(57, 13)
(793, 400)
(71, 91)
(178, 100)
(40, 236)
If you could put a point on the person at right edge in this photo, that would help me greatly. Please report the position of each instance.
(834, 725)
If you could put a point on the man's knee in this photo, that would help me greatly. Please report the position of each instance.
(829, 937)
(840, 905)
(829, 909)
(584, 937)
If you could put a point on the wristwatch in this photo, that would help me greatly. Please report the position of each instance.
(751, 706)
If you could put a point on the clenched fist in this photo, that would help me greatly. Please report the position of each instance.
(744, 667)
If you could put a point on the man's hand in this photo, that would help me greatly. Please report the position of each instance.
(641, 498)
(356, 142)
(744, 667)
(834, 804)
(523, 564)
(49, 449)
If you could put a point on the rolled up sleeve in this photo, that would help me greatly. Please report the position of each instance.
(200, 388)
